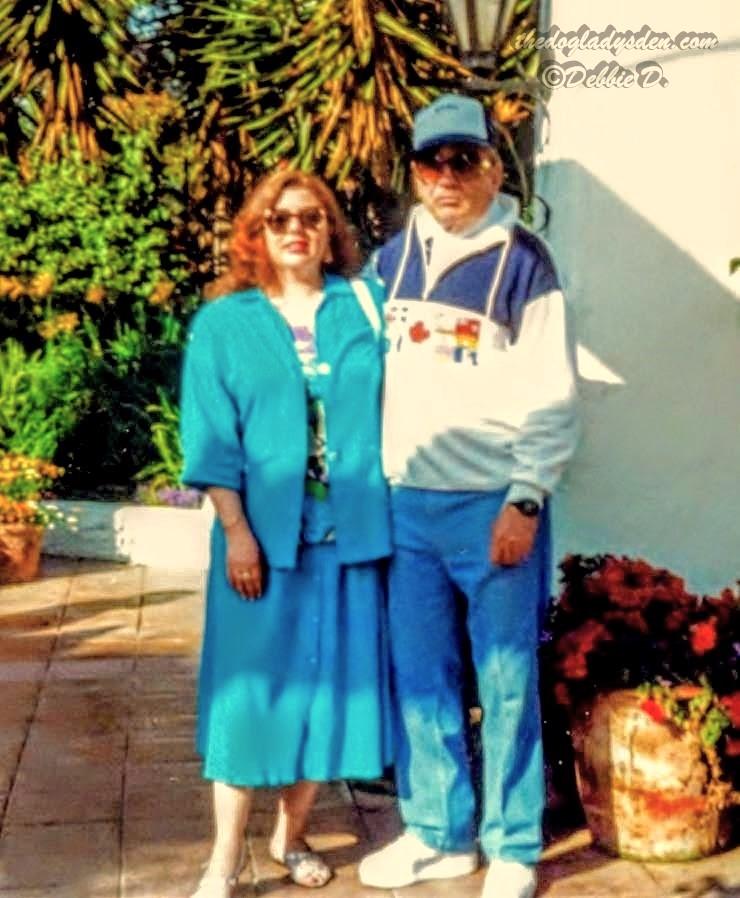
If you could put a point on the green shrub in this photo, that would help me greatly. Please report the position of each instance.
(166, 471)
(44, 394)
(91, 239)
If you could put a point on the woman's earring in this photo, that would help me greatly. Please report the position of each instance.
(328, 256)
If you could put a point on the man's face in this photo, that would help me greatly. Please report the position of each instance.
(457, 182)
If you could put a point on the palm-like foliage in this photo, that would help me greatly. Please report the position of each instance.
(59, 60)
(328, 85)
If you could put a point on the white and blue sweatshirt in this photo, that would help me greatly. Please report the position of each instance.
(480, 384)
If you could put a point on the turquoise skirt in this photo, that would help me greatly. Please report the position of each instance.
(294, 686)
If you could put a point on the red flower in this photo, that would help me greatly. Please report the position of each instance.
(653, 709)
(704, 636)
(675, 620)
(418, 332)
(731, 704)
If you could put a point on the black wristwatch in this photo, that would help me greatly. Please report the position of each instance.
(528, 507)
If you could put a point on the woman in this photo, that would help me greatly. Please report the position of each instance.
(280, 423)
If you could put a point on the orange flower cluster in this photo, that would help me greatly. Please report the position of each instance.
(17, 511)
(161, 293)
(38, 287)
(64, 323)
(22, 482)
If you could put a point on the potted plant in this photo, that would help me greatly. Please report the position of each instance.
(649, 674)
(23, 482)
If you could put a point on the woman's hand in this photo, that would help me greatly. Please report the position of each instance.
(243, 561)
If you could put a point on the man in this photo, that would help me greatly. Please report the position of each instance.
(479, 424)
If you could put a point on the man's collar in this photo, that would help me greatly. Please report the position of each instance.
(489, 229)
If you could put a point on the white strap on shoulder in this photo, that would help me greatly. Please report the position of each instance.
(365, 299)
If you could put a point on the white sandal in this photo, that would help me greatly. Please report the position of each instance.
(213, 886)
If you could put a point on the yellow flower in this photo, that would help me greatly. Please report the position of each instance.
(95, 294)
(66, 322)
(161, 293)
(41, 285)
(11, 287)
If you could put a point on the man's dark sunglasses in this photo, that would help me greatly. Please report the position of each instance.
(463, 161)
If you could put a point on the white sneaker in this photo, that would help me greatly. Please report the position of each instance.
(408, 860)
(509, 879)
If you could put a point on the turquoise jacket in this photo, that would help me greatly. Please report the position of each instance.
(244, 418)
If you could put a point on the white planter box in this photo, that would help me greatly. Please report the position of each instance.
(138, 534)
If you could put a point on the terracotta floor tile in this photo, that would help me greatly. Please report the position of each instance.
(169, 642)
(90, 668)
(161, 580)
(151, 748)
(63, 791)
(166, 790)
(22, 671)
(590, 874)
(64, 741)
(177, 699)
(17, 702)
(79, 860)
(85, 704)
(37, 594)
(122, 583)
(12, 737)
(153, 672)
(26, 646)
(163, 857)
(24, 619)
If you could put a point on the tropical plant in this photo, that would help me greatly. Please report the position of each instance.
(621, 623)
(331, 87)
(59, 60)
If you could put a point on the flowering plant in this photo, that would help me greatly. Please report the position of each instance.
(621, 623)
(156, 493)
(23, 481)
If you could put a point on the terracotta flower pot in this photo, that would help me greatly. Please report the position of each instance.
(20, 552)
(643, 783)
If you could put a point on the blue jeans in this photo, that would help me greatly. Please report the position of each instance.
(444, 591)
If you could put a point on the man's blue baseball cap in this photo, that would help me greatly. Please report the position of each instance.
(452, 118)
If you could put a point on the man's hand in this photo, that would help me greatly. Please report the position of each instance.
(512, 536)
(243, 561)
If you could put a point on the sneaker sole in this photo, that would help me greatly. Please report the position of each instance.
(444, 868)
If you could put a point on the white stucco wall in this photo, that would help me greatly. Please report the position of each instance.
(644, 188)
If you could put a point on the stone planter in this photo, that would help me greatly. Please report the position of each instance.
(136, 534)
(20, 552)
(642, 783)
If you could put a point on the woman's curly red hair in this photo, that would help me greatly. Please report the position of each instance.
(249, 263)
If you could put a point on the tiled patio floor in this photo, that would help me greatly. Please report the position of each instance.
(100, 794)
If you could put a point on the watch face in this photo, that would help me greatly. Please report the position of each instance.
(527, 507)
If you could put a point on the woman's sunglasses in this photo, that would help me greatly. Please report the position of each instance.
(278, 220)
(465, 162)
